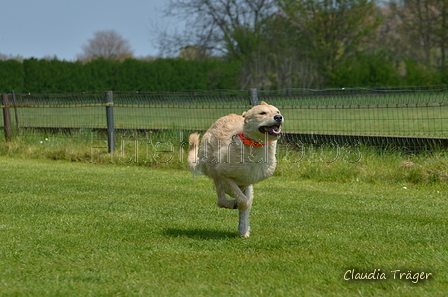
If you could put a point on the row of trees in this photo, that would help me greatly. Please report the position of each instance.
(266, 44)
(318, 43)
(34, 75)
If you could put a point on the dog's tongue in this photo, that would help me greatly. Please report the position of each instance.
(272, 129)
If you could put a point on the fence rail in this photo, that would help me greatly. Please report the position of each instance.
(408, 118)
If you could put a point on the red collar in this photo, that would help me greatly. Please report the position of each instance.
(247, 141)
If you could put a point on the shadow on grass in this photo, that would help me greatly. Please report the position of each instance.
(204, 234)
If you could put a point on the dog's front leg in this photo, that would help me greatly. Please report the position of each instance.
(223, 202)
(243, 226)
(242, 200)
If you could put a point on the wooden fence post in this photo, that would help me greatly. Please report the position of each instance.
(253, 96)
(14, 101)
(110, 121)
(6, 117)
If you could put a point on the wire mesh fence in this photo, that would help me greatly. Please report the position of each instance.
(351, 115)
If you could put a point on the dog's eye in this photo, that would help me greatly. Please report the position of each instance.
(262, 112)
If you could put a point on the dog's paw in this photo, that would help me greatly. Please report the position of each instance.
(244, 231)
(229, 204)
(245, 234)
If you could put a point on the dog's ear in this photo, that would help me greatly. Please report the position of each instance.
(263, 103)
(244, 113)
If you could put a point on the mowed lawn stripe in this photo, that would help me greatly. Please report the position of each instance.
(83, 229)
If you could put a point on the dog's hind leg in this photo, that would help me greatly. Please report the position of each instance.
(243, 226)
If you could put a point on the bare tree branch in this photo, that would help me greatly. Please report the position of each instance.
(214, 23)
(106, 44)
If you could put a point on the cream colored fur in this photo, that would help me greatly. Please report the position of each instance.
(233, 165)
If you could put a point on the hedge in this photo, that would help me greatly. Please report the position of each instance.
(35, 75)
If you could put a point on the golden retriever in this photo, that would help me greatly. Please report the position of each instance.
(238, 151)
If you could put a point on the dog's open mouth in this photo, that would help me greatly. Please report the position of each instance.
(271, 130)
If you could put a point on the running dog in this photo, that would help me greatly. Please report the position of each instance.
(238, 151)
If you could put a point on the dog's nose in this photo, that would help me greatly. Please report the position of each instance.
(278, 118)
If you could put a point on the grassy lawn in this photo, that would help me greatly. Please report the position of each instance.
(78, 229)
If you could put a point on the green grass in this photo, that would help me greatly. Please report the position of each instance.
(77, 229)
(168, 149)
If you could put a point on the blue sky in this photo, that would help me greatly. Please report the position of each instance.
(40, 28)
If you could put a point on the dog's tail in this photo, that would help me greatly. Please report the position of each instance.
(193, 160)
